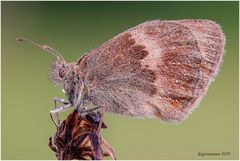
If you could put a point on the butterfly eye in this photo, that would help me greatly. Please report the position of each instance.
(62, 72)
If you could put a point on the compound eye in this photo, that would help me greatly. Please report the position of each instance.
(62, 72)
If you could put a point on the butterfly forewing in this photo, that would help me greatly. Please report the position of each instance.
(157, 69)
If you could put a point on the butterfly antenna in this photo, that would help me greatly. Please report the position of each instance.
(44, 47)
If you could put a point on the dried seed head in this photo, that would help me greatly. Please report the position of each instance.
(79, 138)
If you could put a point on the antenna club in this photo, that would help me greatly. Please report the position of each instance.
(20, 39)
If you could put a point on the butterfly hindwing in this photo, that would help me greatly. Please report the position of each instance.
(156, 69)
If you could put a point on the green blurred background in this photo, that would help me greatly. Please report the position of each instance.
(74, 28)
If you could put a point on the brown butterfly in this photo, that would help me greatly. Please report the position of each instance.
(158, 69)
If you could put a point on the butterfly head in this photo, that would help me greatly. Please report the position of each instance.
(58, 71)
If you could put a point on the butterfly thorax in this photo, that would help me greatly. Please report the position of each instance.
(74, 87)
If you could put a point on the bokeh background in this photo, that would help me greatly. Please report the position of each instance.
(74, 28)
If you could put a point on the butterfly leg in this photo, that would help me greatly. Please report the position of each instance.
(84, 110)
(57, 109)
(60, 100)
(101, 111)
(60, 108)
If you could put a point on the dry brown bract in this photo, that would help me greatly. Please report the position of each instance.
(80, 138)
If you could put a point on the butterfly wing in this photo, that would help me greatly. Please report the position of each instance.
(157, 69)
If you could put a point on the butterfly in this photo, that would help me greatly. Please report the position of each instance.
(158, 69)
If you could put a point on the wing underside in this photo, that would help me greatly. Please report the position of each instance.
(157, 69)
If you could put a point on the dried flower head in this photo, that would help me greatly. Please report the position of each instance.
(79, 138)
